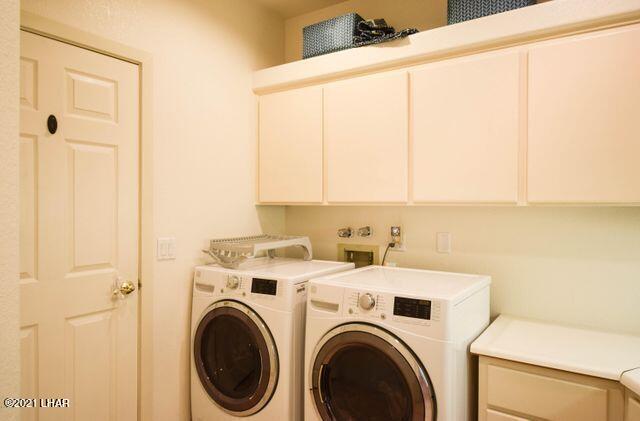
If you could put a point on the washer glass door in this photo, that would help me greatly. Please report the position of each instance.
(361, 372)
(236, 358)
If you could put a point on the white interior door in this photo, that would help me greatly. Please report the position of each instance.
(79, 231)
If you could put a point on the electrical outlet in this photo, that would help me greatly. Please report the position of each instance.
(396, 238)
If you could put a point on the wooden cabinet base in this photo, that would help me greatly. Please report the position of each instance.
(514, 391)
(632, 409)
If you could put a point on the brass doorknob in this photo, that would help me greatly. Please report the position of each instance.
(124, 288)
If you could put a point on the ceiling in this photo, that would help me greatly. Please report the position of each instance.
(289, 8)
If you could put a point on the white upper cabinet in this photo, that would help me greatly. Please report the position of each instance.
(465, 129)
(550, 122)
(584, 118)
(366, 139)
(290, 151)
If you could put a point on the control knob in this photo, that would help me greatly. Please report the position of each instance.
(366, 301)
(233, 282)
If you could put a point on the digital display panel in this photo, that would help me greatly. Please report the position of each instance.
(264, 286)
(411, 307)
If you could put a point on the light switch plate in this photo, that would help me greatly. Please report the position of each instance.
(166, 248)
(443, 242)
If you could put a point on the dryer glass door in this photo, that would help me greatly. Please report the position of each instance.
(361, 372)
(236, 358)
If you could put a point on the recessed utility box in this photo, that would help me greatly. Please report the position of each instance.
(360, 254)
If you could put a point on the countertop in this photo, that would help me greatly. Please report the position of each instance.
(631, 380)
(578, 350)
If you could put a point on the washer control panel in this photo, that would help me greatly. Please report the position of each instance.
(412, 307)
(381, 306)
(364, 303)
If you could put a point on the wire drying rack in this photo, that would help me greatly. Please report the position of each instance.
(231, 252)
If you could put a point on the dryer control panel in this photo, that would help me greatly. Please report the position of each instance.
(214, 283)
(241, 286)
(264, 286)
(222, 284)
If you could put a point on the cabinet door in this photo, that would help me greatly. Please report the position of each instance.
(493, 415)
(366, 125)
(290, 155)
(543, 393)
(584, 118)
(465, 121)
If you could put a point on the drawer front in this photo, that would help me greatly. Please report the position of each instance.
(633, 409)
(493, 415)
(544, 397)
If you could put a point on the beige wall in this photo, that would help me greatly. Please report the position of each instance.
(574, 265)
(421, 14)
(204, 53)
(9, 294)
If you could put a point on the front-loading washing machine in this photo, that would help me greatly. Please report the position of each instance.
(247, 336)
(387, 344)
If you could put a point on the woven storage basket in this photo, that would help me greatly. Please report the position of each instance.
(330, 35)
(462, 10)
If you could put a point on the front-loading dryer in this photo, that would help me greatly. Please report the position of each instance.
(386, 344)
(247, 337)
